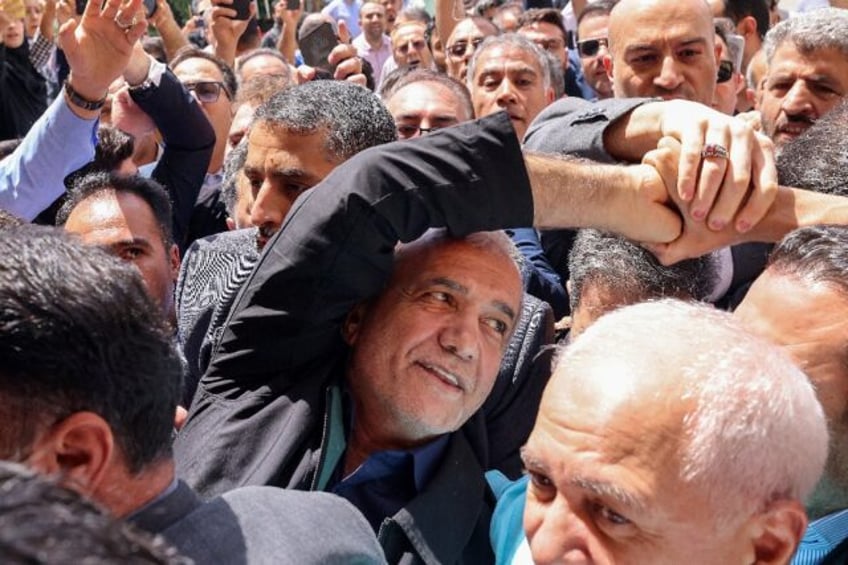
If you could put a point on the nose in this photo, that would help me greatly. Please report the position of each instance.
(670, 76)
(556, 535)
(268, 210)
(459, 336)
(506, 93)
(798, 100)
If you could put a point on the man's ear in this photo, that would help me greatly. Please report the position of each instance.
(77, 449)
(746, 27)
(353, 323)
(777, 531)
(174, 260)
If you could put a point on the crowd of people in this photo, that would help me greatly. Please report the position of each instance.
(456, 283)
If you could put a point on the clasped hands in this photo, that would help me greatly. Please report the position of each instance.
(718, 174)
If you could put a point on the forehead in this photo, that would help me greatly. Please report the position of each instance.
(423, 96)
(408, 33)
(655, 22)
(372, 8)
(277, 149)
(478, 264)
(593, 26)
(107, 218)
(593, 422)
(469, 29)
(542, 29)
(825, 63)
(196, 69)
(507, 58)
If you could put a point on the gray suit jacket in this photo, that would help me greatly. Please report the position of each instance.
(257, 525)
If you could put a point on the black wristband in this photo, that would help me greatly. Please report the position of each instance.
(78, 100)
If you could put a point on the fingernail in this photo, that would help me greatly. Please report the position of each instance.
(699, 214)
(717, 224)
(743, 225)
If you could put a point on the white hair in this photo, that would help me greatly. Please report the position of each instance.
(754, 431)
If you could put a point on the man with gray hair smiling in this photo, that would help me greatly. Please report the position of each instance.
(689, 439)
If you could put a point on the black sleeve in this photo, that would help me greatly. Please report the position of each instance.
(336, 245)
(189, 141)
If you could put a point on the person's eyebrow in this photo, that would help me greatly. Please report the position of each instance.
(530, 462)
(294, 174)
(608, 490)
(692, 41)
(503, 307)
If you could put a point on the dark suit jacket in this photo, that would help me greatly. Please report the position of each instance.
(257, 417)
(257, 525)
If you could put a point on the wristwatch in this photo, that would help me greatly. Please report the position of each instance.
(81, 102)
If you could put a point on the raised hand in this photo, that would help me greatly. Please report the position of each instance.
(98, 45)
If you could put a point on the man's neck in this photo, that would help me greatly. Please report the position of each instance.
(124, 493)
(362, 444)
(375, 42)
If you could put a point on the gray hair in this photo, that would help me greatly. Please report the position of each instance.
(629, 270)
(826, 28)
(753, 431)
(352, 117)
(542, 57)
(817, 160)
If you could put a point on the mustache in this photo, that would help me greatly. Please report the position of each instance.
(796, 119)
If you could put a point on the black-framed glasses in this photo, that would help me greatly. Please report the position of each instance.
(207, 91)
(590, 47)
(407, 131)
(725, 71)
(460, 49)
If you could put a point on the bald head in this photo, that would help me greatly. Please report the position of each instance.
(662, 48)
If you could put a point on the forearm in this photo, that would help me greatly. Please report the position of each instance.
(628, 138)
(795, 208)
(59, 143)
(287, 43)
(172, 38)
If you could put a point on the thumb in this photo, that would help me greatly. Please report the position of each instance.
(64, 39)
(344, 33)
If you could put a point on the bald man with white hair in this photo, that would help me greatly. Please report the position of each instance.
(690, 440)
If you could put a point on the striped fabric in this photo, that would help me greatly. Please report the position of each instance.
(821, 537)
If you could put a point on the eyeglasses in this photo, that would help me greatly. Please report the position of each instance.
(417, 45)
(590, 47)
(460, 49)
(407, 131)
(725, 71)
(207, 92)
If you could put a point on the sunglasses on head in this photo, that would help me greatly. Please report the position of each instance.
(207, 92)
(590, 47)
(725, 71)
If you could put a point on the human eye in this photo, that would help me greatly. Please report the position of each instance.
(130, 253)
(689, 53)
(491, 83)
(406, 130)
(605, 515)
(255, 182)
(498, 326)
(296, 189)
(642, 59)
(541, 485)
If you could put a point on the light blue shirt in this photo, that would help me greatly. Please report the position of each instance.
(59, 143)
(821, 537)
